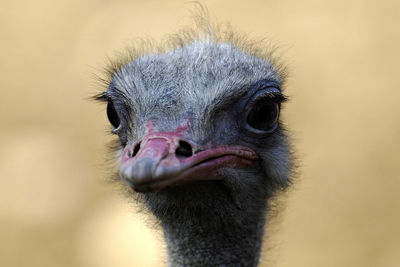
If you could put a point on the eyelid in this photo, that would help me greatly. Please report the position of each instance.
(273, 94)
(117, 130)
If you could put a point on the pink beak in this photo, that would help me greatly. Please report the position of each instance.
(156, 163)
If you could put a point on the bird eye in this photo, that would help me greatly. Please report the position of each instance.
(263, 115)
(112, 115)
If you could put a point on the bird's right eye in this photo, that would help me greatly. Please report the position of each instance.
(112, 115)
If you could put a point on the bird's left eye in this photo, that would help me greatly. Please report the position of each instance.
(112, 115)
(263, 115)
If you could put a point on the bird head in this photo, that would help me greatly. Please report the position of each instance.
(204, 113)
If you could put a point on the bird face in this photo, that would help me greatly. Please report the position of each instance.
(197, 113)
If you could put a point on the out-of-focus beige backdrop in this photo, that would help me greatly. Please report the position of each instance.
(344, 112)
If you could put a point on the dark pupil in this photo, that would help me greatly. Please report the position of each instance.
(264, 115)
(112, 115)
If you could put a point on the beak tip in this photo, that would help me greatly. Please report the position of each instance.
(141, 171)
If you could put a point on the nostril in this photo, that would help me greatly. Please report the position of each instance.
(136, 149)
(184, 149)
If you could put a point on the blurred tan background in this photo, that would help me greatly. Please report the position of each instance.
(55, 209)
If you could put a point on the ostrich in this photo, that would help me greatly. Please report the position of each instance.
(200, 141)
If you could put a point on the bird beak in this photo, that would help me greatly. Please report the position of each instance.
(155, 163)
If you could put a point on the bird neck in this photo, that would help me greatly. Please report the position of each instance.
(207, 243)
